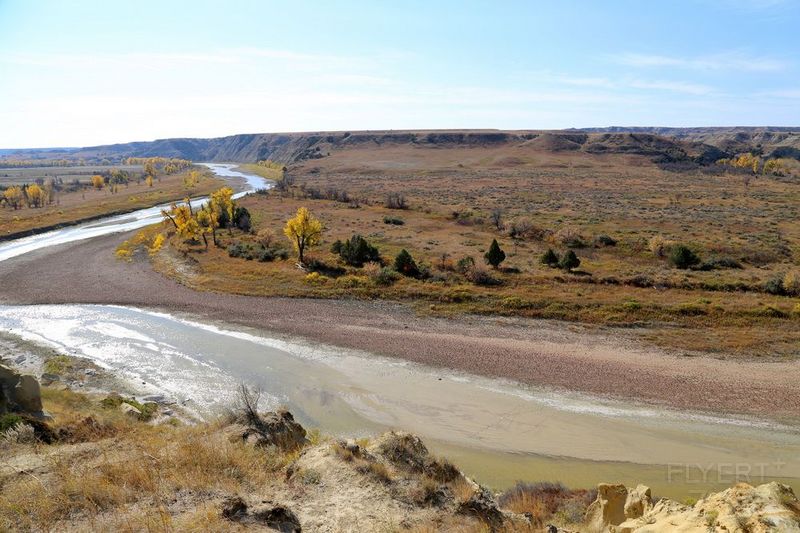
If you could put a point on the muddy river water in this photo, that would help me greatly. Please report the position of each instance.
(498, 431)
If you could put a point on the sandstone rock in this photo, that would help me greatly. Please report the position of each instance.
(741, 508)
(483, 506)
(639, 501)
(19, 392)
(27, 394)
(275, 428)
(234, 508)
(130, 410)
(278, 517)
(49, 378)
(608, 509)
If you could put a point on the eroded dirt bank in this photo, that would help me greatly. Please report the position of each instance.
(533, 352)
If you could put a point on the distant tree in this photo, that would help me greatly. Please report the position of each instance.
(682, 257)
(550, 258)
(495, 255)
(395, 200)
(184, 221)
(569, 261)
(191, 179)
(241, 218)
(497, 218)
(221, 202)
(405, 265)
(207, 223)
(356, 251)
(149, 180)
(304, 231)
(98, 182)
(14, 197)
(34, 196)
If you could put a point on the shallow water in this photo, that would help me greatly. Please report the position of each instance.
(498, 431)
(119, 223)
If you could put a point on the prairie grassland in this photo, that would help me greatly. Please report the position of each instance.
(612, 210)
(745, 323)
(87, 203)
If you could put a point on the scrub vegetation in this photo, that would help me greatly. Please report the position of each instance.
(695, 259)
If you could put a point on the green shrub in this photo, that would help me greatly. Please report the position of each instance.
(465, 264)
(569, 261)
(495, 255)
(356, 251)
(241, 219)
(480, 276)
(682, 257)
(393, 221)
(405, 265)
(8, 421)
(605, 240)
(550, 258)
(386, 276)
(775, 286)
(722, 263)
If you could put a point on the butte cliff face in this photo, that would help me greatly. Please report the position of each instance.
(703, 145)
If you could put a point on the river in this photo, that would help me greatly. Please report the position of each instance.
(498, 431)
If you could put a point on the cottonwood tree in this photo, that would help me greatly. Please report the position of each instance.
(221, 202)
(304, 231)
(191, 180)
(207, 222)
(35, 196)
(183, 219)
(14, 197)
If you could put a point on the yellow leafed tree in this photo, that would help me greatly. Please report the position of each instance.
(207, 222)
(183, 219)
(222, 204)
(14, 197)
(191, 179)
(304, 231)
(98, 182)
(35, 196)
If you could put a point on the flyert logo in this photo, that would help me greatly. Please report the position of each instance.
(722, 473)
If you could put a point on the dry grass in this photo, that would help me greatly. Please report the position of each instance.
(152, 468)
(547, 502)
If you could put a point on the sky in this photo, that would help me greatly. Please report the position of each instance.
(83, 73)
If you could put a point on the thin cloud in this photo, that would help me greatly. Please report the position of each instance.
(626, 83)
(782, 93)
(725, 61)
(673, 86)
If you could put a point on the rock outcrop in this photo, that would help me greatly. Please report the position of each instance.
(271, 515)
(741, 508)
(19, 393)
(272, 429)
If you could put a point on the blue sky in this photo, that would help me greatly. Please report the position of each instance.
(94, 72)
